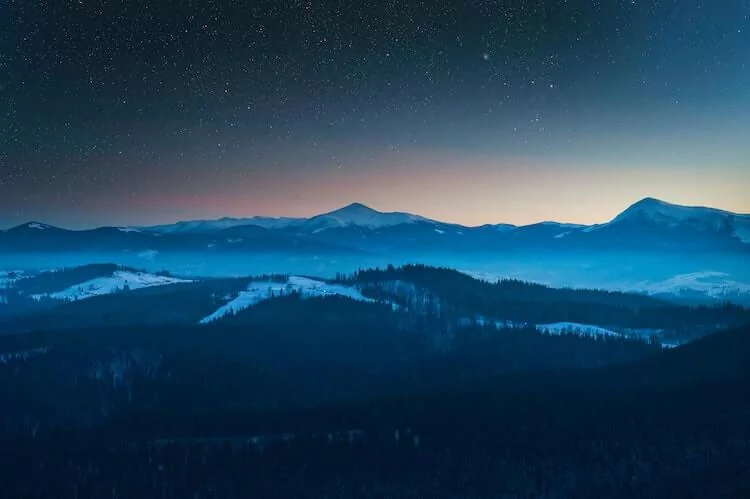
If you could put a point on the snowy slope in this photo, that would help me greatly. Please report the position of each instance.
(118, 281)
(263, 290)
(559, 328)
(32, 226)
(670, 214)
(357, 214)
(572, 327)
(193, 226)
(712, 284)
(652, 211)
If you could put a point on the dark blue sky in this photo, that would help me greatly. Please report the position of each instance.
(471, 111)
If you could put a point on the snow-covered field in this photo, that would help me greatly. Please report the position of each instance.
(712, 284)
(559, 328)
(263, 290)
(118, 281)
(572, 327)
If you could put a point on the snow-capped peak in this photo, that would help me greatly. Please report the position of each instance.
(195, 226)
(652, 211)
(34, 226)
(357, 214)
(655, 210)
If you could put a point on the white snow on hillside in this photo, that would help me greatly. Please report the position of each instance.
(259, 291)
(673, 215)
(359, 215)
(555, 328)
(559, 328)
(119, 281)
(713, 284)
(222, 224)
(557, 224)
(38, 226)
(575, 328)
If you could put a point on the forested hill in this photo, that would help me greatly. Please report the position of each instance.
(456, 293)
(110, 296)
(455, 283)
(565, 434)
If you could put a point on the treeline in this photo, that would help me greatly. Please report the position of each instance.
(567, 434)
(57, 280)
(177, 304)
(284, 351)
(517, 301)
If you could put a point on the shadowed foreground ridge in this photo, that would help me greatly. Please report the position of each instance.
(671, 425)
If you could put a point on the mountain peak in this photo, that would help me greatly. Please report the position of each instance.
(358, 214)
(648, 201)
(33, 225)
(655, 212)
(355, 208)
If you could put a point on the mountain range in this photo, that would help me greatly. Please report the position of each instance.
(649, 224)
(655, 247)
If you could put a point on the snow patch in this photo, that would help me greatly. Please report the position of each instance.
(128, 229)
(556, 328)
(712, 284)
(357, 214)
(222, 224)
(558, 224)
(658, 212)
(120, 280)
(38, 226)
(440, 231)
(259, 291)
(574, 328)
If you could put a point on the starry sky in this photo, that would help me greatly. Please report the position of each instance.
(117, 112)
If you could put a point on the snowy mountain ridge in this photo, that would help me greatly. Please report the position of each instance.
(648, 211)
(188, 226)
(357, 214)
(120, 280)
(258, 291)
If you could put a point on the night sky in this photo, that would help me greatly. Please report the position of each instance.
(471, 111)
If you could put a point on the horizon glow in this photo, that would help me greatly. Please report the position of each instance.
(463, 112)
